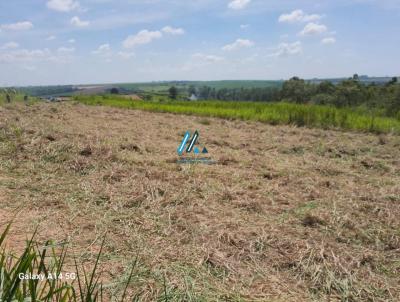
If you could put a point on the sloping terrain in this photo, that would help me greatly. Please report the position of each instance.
(286, 214)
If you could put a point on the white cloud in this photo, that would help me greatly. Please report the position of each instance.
(51, 38)
(125, 55)
(287, 49)
(239, 43)
(72, 41)
(63, 5)
(31, 56)
(105, 51)
(24, 25)
(238, 4)
(102, 49)
(78, 22)
(207, 58)
(200, 61)
(329, 40)
(244, 26)
(313, 29)
(173, 31)
(66, 49)
(298, 16)
(142, 37)
(24, 55)
(10, 45)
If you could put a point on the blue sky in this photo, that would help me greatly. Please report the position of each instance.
(103, 41)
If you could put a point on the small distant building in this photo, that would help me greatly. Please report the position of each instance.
(193, 97)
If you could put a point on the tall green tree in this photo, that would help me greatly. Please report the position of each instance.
(393, 81)
(295, 90)
(173, 93)
(326, 87)
(114, 91)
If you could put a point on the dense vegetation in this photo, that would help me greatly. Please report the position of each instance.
(382, 99)
(356, 96)
(273, 113)
(268, 94)
(380, 96)
(377, 99)
(47, 90)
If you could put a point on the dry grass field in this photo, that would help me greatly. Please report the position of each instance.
(286, 214)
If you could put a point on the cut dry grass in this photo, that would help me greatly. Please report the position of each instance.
(286, 214)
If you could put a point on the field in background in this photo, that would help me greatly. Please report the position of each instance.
(145, 88)
(164, 86)
(273, 113)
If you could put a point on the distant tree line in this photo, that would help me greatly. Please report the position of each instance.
(347, 93)
(47, 90)
(267, 94)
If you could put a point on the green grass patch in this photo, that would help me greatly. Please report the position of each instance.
(164, 86)
(282, 113)
(15, 98)
(37, 275)
(40, 273)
